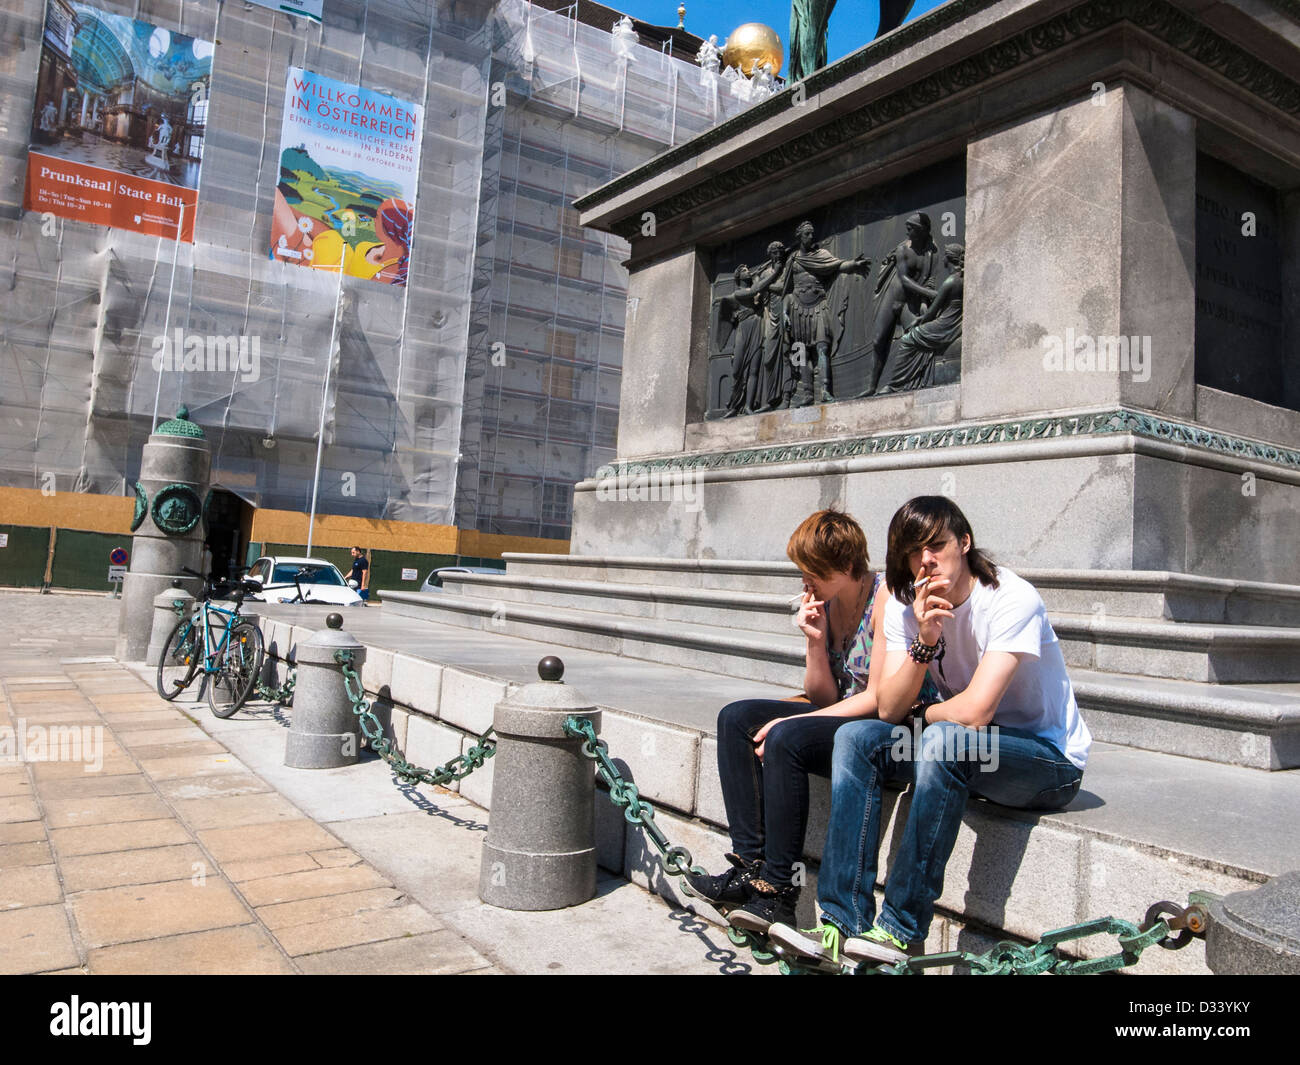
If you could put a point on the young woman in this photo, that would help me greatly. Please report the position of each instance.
(767, 747)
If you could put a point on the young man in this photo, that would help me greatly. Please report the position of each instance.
(1008, 729)
(361, 572)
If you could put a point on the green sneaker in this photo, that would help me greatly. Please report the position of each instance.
(820, 944)
(876, 945)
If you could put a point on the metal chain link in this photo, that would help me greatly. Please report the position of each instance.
(1004, 959)
(457, 768)
(676, 860)
(1007, 959)
(284, 693)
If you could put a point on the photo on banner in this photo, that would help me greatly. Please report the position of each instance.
(349, 168)
(118, 127)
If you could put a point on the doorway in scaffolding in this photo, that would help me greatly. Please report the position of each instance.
(228, 529)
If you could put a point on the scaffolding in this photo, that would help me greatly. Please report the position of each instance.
(394, 391)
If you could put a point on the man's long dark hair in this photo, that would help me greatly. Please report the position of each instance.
(921, 521)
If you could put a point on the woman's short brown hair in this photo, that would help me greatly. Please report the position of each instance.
(827, 542)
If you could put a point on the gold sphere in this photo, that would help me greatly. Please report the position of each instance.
(752, 45)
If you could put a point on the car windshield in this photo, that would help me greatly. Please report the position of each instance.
(285, 572)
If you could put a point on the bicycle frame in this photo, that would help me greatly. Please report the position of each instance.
(202, 617)
(212, 654)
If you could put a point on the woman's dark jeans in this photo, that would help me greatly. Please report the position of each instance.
(767, 801)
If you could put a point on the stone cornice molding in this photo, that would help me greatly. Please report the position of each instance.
(1108, 423)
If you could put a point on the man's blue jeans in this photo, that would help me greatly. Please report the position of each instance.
(951, 762)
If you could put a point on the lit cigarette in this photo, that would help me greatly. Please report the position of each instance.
(795, 600)
(921, 583)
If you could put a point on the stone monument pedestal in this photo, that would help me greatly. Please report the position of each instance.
(1117, 179)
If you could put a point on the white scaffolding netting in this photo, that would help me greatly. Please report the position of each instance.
(420, 422)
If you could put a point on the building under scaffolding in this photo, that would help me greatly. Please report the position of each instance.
(476, 395)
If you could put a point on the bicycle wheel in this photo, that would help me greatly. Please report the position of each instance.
(238, 669)
(180, 658)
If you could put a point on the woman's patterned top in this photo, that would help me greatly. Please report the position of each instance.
(851, 670)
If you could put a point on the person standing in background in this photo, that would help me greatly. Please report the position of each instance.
(361, 572)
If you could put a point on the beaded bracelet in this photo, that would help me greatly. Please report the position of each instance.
(923, 653)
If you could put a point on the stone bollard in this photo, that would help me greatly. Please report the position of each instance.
(324, 733)
(1257, 931)
(168, 526)
(165, 618)
(540, 850)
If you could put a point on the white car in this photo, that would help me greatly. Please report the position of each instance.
(433, 582)
(320, 581)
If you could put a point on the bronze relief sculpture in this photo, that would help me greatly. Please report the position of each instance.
(805, 326)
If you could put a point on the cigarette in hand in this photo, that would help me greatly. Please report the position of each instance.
(921, 582)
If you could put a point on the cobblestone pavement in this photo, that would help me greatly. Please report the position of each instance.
(147, 847)
(138, 836)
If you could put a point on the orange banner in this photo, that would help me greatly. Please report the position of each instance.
(107, 198)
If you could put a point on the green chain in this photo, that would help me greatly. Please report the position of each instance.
(1004, 959)
(457, 769)
(676, 861)
(284, 693)
(1013, 959)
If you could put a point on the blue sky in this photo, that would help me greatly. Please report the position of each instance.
(853, 22)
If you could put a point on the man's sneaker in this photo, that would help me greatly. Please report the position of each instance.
(876, 945)
(767, 905)
(728, 889)
(822, 944)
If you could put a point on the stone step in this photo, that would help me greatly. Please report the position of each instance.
(1209, 652)
(1246, 724)
(774, 578)
(1223, 654)
(720, 608)
(1173, 596)
(1146, 826)
(1122, 593)
(1254, 725)
(768, 657)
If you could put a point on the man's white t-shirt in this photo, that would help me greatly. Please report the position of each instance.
(1011, 617)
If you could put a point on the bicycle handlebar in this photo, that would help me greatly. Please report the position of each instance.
(236, 589)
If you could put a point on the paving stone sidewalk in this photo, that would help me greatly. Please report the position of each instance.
(163, 840)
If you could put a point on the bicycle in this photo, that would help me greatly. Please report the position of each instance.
(231, 664)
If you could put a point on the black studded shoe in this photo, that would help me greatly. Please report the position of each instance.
(767, 905)
(725, 890)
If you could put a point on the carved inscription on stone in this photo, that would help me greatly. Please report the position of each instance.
(1239, 308)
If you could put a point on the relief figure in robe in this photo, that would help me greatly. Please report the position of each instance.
(911, 364)
(746, 309)
(811, 321)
